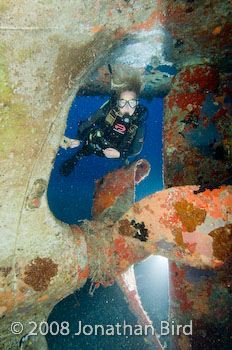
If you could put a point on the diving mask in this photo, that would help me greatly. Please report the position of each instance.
(132, 103)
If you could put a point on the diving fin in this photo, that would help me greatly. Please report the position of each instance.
(69, 165)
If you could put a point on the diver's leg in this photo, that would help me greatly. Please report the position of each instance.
(68, 166)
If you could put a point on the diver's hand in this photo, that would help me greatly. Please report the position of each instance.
(111, 153)
(75, 143)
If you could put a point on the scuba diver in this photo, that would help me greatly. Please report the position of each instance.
(116, 130)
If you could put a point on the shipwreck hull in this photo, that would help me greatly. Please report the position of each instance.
(197, 134)
(49, 51)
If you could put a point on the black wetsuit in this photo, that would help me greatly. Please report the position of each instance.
(99, 135)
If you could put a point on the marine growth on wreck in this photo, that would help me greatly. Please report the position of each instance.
(50, 53)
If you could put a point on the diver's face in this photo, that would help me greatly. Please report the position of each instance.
(127, 102)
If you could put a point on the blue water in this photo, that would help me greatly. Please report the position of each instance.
(70, 200)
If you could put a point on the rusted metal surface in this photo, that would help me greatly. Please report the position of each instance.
(180, 223)
(118, 186)
(127, 283)
(197, 150)
(197, 129)
(189, 226)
